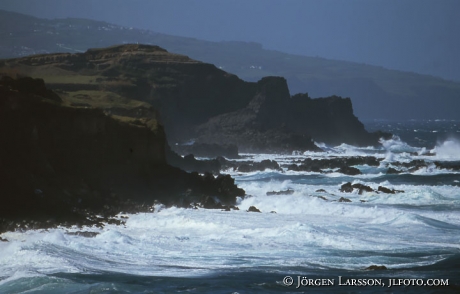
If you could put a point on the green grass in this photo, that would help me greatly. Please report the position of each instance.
(101, 99)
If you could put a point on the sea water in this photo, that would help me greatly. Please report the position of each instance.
(305, 242)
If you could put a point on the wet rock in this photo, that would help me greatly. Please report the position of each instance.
(229, 207)
(344, 164)
(346, 188)
(321, 191)
(343, 199)
(392, 171)
(210, 203)
(190, 163)
(450, 165)
(362, 188)
(85, 234)
(253, 209)
(349, 170)
(375, 267)
(285, 192)
(245, 168)
(413, 165)
(322, 197)
(385, 190)
(389, 191)
(259, 166)
(3, 240)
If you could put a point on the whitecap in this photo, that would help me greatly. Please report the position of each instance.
(448, 149)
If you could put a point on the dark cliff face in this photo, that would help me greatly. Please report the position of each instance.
(59, 162)
(273, 121)
(196, 100)
(50, 151)
(329, 120)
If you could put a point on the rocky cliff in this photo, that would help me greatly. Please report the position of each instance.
(273, 121)
(196, 101)
(61, 163)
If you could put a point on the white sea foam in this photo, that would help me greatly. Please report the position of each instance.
(190, 242)
(448, 149)
(310, 228)
(395, 145)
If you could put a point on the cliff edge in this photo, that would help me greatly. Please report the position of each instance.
(195, 101)
(61, 164)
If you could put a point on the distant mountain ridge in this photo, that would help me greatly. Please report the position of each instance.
(375, 92)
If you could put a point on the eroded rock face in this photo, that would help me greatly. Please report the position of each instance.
(253, 209)
(344, 164)
(348, 188)
(63, 165)
(276, 122)
(199, 101)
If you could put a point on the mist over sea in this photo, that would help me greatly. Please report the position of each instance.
(311, 233)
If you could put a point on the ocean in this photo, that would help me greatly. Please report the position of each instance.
(316, 239)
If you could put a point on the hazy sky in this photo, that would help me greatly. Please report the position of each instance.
(414, 35)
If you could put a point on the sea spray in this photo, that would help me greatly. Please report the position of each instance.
(448, 149)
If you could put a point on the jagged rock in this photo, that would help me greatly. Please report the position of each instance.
(376, 267)
(85, 234)
(413, 165)
(349, 170)
(285, 192)
(385, 190)
(253, 209)
(344, 164)
(229, 207)
(343, 199)
(258, 166)
(245, 168)
(346, 188)
(210, 203)
(388, 191)
(392, 171)
(362, 188)
(190, 163)
(450, 165)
